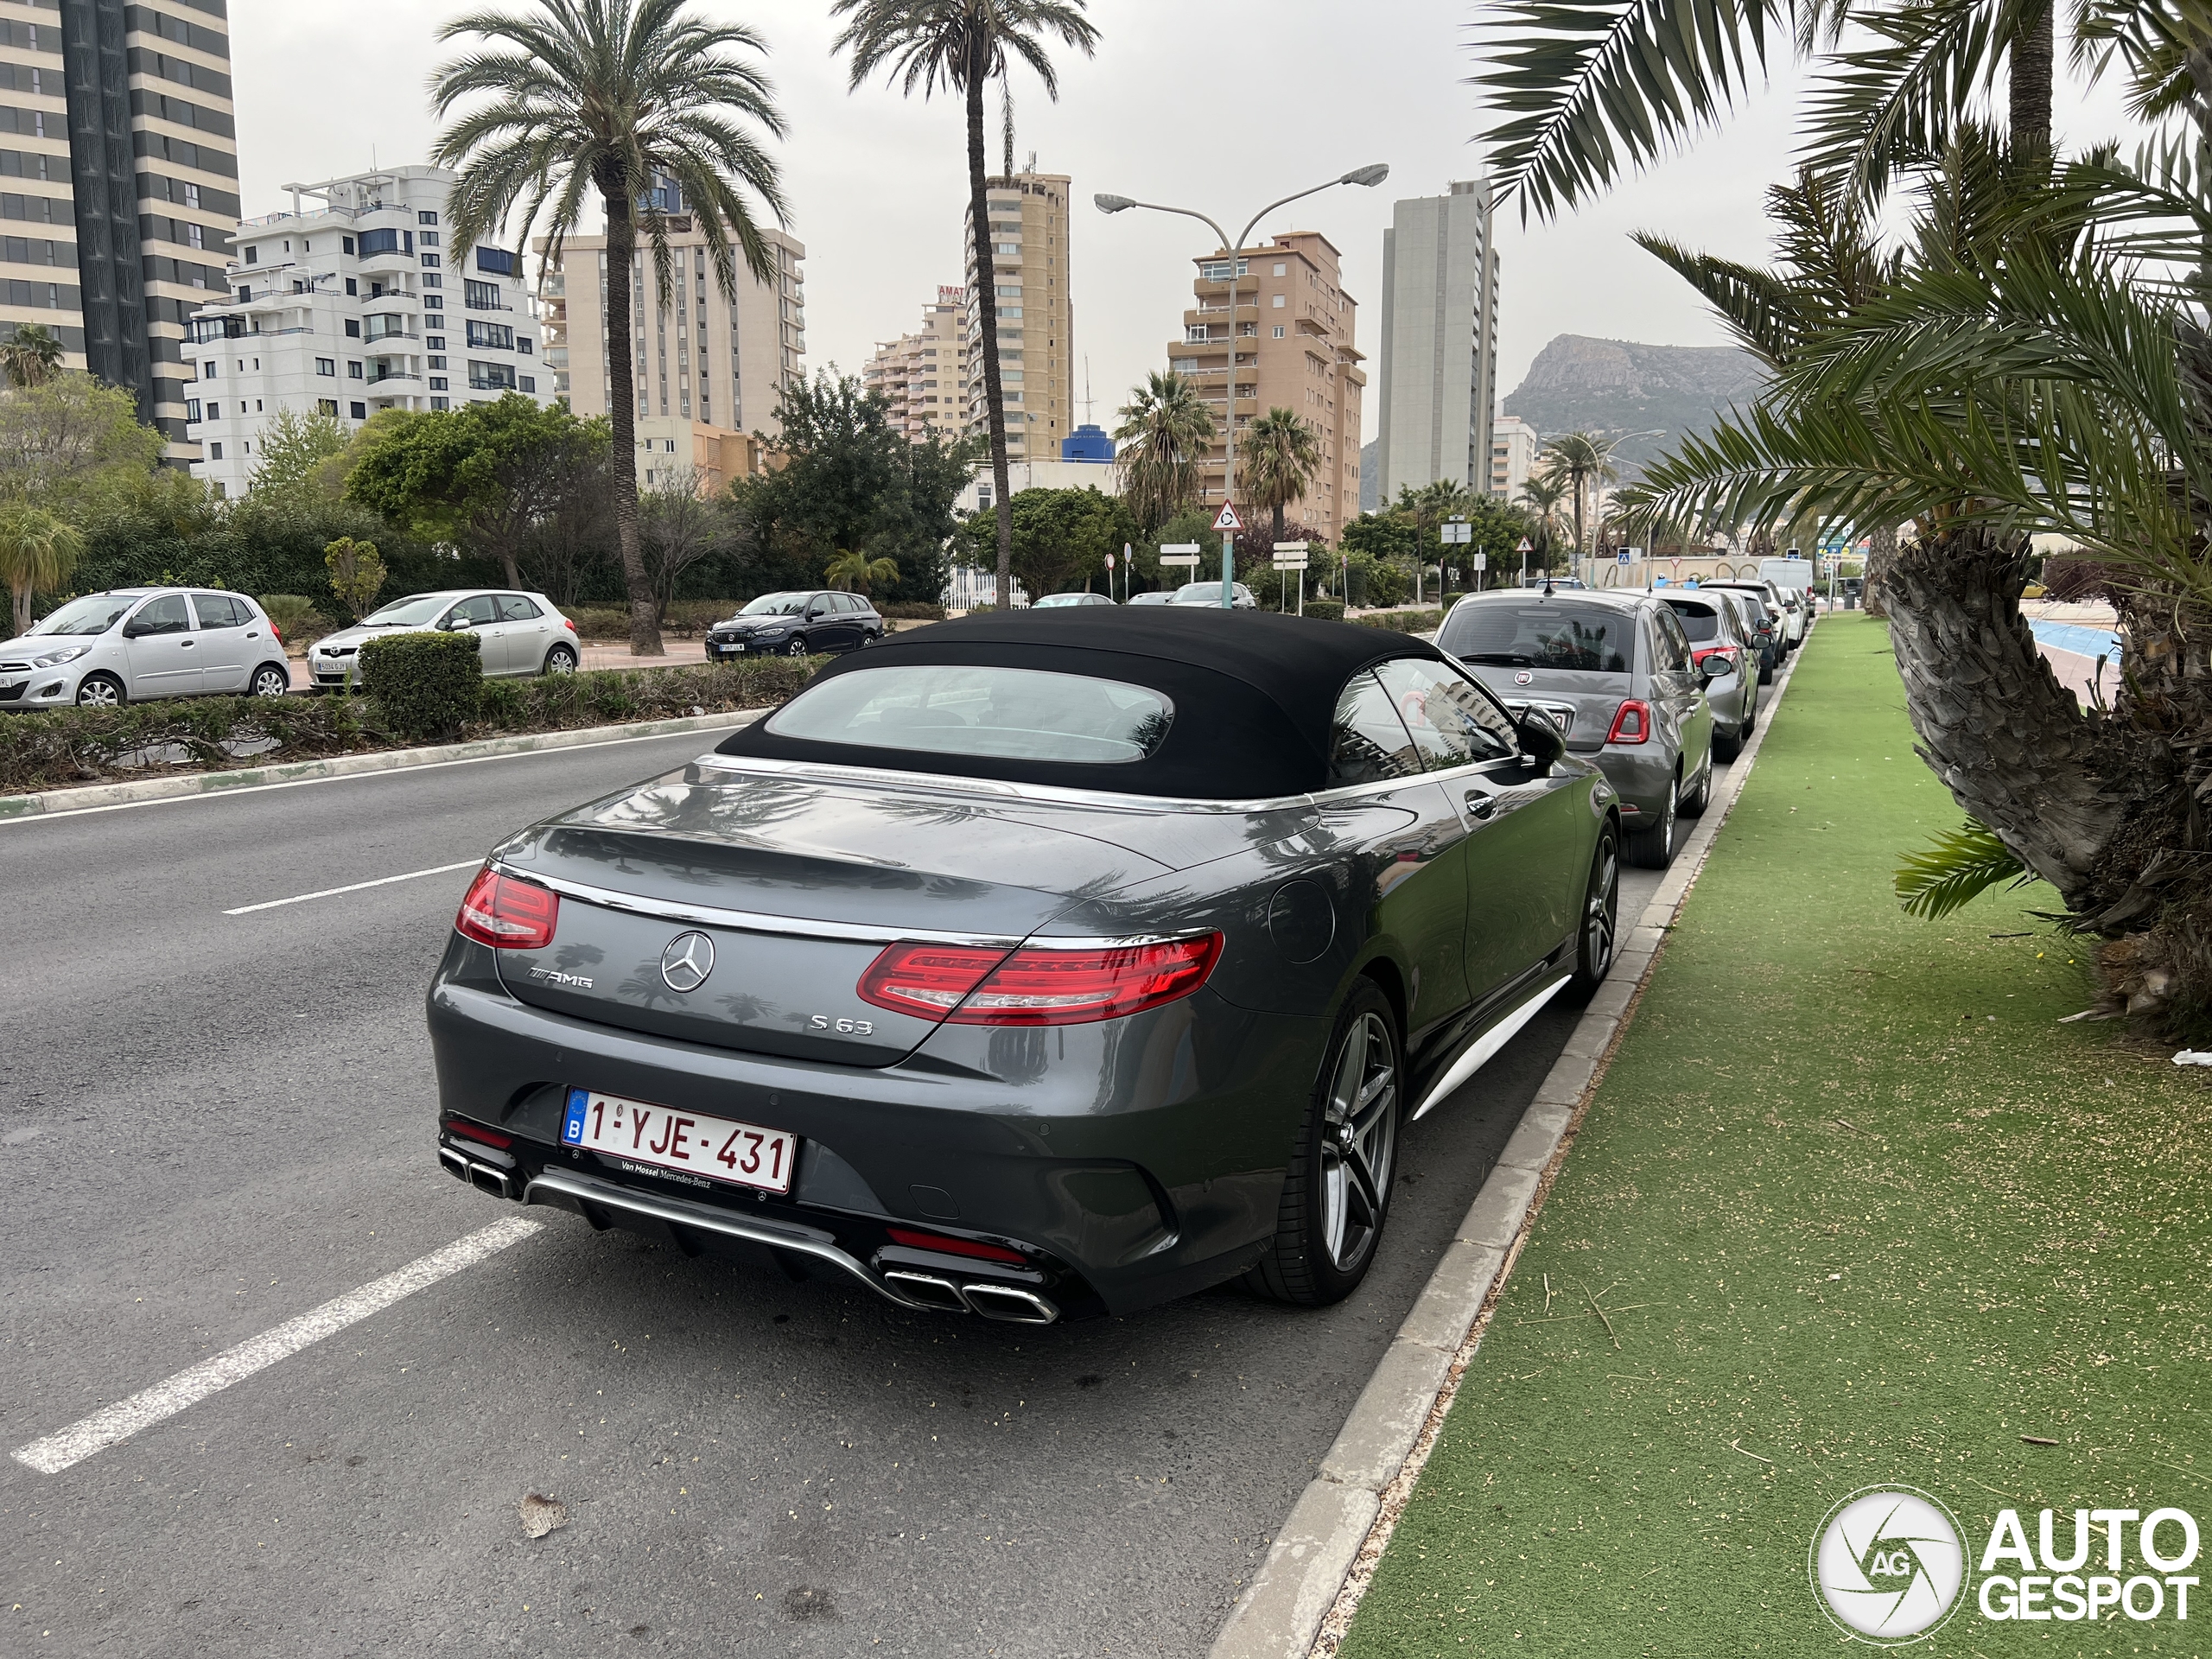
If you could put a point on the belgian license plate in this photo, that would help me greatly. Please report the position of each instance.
(717, 1148)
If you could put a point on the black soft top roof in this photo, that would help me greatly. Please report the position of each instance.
(1254, 695)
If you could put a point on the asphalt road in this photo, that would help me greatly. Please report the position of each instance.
(211, 1124)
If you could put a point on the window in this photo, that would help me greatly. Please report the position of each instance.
(1278, 301)
(435, 343)
(491, 377)
(529, 384)
(328, 406)
(513, 608)
(523, 345)
(1281, 268)
(438, 362)
(475, 613)
(194, 236)
(253, 255)
(191, 410)
(1452, 723)
(214, 411)
(210, 373)
(220, 611)
(994, 713)
(429, 262)
(326, 365)
(431, 279)
(347, 242)
(1585, 638)
(490, 336)
(375, 242)
(426, 216)
(352, 371)
(1674, 645)
(440, 405)
(360, 411)
(1217, 270)
(1370, 744)
(481, 296)
(1278, 332)
(435, 302)
(1194, 333)
(497, 261)
(428, 239)
(214, 452)
(245, 294)
(437, 383)
(192, 195)
(165, 614)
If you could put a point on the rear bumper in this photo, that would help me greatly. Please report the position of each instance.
(1115, 1200)
(1642, 775)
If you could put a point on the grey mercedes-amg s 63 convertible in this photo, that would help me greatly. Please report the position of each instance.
(1037, 966)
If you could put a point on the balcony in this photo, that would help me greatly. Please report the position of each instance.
(385, 376)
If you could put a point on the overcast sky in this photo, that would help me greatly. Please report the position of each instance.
(876, 184)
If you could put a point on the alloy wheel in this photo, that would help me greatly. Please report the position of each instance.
(1599, 926)
(1359, 1138)
(99, 692)
(1667, 817)
(268, 682)
(561, 661)
(797, 648)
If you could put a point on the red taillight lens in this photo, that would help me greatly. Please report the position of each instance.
(569, 623)
(950, 1246)
(273, 632)
(474, 1132)
(1041, 985)
(1632, 724)
(507, 914)
(1726, 653)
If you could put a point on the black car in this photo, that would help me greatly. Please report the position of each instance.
(804, 623)
(1032, 966)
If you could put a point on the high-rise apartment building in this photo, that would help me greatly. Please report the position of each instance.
(119, 185)
(349, 303)
(1513, 446)
(697, 356)
(922, 375)
(1440, 342)
(1294, 348)
(1027, 270)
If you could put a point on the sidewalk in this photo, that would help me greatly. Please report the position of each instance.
(1848, 1207)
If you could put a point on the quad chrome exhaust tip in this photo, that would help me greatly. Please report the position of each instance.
(1008, 1303)
(485, 1178)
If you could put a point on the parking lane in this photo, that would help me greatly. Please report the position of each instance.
(866, 1478)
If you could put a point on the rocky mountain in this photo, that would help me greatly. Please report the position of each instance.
(1621, 386)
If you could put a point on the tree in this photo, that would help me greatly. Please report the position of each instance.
(297, 451)
(961, 46)
(30, 356)
(854, 570)
(485, 474)
(1166, 430)
(1276, 459)
(613, 96)
(69, 441)
(1061, 538)
(677, 528)
(1541, 498)
(357, 574)
(1577, 463)
(37, 551)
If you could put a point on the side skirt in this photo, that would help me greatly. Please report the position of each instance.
(1481, 1051)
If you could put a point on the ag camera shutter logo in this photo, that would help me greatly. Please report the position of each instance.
(1888, 1564)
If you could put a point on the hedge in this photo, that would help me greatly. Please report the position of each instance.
(1326, 610)
(425, 684)
(1400, 621)
(61, 747)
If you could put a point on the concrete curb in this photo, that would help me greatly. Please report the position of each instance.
(1302, 1598)
(107, 797)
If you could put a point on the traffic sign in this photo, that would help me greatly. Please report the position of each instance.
(1178, 552)
(1527, 546)
(1226, 520)
(1482, 560)
(1458, 531)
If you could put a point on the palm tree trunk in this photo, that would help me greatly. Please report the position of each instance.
(987, 299)
(1279, 521)
(2028, 100)
(621, 244)
(1880, 555)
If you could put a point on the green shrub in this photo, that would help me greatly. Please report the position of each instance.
(296, 618)
(1402, 621)
(425, 685)
(597, 623)
(689, 618)
(911, 610)
(1327, 610)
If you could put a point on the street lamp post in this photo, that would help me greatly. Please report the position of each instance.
(1370, 176)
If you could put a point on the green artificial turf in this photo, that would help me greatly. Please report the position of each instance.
(1865, 1213)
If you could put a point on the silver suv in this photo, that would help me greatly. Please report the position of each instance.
(517, 632)
(135, 643)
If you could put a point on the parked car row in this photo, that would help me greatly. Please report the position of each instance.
(106, 649)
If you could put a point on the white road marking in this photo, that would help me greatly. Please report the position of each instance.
(120, 1421)
(357, 887)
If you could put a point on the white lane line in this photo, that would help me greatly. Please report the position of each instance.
(356, 887)
(119, 1422)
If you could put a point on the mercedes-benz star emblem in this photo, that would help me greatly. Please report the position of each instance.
(687, 962)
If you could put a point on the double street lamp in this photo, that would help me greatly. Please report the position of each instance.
(1370, 176)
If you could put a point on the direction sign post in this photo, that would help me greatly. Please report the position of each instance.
(1228, 523)
(1182, 553)
(1291, 555)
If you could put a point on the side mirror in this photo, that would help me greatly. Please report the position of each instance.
(136, 629)
(453, 623)
(1540, 741)
(1713, 667)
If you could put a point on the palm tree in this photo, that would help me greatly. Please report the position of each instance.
(31, 356)
(612, 95)
(1166, 430)
(1579, 461)
(853, 569)
(1542, 497)
(37, 551)
(961, 46)
(1277, 459)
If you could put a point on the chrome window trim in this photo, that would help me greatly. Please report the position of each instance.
(946, 784)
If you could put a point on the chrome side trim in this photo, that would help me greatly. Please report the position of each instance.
(582, 1189)
(930, 783)
(748, 921)
(1481, 1051)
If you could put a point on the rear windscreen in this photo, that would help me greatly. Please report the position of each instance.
(1699, 623)
(1000, 713)
(1588, 638)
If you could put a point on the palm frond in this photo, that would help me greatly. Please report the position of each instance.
(1962, 865)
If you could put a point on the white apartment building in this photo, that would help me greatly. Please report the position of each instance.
(1513, 446)
(921, 375)
(1440, 342)
(1029, 269)
(345, 304)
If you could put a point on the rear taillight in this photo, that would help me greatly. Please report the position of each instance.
(569, 623)
(1725, 653)
(273, 632)
(477, 1132)
(1632, 724)
(948, 1245)
(1039, 985)
(507, 914)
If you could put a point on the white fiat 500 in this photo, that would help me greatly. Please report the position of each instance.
(135, 643)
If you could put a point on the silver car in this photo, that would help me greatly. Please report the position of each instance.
(1209, 593)
(1615, 673)
(1718, 641)
(517, 632)
(131, 644)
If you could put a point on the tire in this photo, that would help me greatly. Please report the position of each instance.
(562, 659)
(101, 691)
(1766, 667)
(1726, 745)
(1599, 937)
(1334, 1205)
(1693, 806)
(1654, 848)
(269, 681)
(797, 648)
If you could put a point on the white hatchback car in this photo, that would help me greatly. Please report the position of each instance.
(517, 632)
(130, 643)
